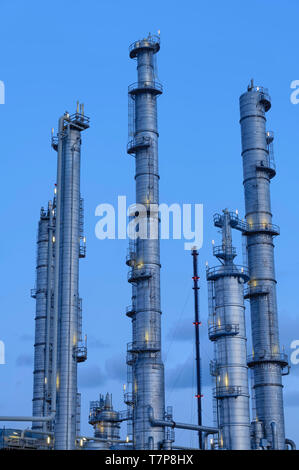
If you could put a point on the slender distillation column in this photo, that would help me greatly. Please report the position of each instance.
(43, 295)
(227, 331)
(144, 353)
(69, 349)
(267, 360)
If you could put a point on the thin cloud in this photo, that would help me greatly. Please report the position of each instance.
(116, 368)
(24, 360)
(91, 376)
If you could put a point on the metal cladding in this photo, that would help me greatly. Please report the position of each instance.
(227, 331)
(267, 360)
(43, 293)
(144, 353)
(105, 420)
(70, 351)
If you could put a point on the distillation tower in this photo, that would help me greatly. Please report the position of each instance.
(43, 293)
(267, 361)
(144, 352)
(227, 331)
(70, 246)
(106, 422)
(58, 332)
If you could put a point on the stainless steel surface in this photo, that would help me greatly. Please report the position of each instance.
(104, 419)
(267, 362)
(174, 424)
(66, 295)
(227, 330)
(147, 378)
(43, 295)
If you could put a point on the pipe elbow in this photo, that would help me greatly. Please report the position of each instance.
(291, 444)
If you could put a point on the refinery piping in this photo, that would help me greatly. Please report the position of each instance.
(59, 343)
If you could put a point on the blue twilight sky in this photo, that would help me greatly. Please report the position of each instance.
(53, 53)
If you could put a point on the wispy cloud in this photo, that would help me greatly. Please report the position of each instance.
(116, 368)
(91, 376)
(183, 375)
(24, 360)
(95, 343)
(26, 337)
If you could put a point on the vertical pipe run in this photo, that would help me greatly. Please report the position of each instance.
(147, 367)
(49, 332)
(197, 343)
(267, 361)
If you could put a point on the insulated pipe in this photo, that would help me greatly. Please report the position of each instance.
(28, 418)
(291, 443)
(98, 439)
(173, 424)
(274, 436)
(57, 262)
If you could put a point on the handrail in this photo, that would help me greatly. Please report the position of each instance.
(223, 270)
(146, 84)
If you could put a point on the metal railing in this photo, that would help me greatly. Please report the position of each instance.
(235, 221)
(145, 85)
(130, 310)
(254, 291)
(221, 271)
(151, 41)
(216, 331)
(80, 352)
(54, 142)
(138, 142)
(129, 398)
(224, 251)
(33, 293)
(140, 346)
(230, 391)
(138, 274)
(80, 118)
(281, 358)
(263, 228)
(82, 247)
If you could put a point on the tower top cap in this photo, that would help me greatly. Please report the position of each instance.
(152, 42)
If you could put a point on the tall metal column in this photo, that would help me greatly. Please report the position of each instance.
(43, 295)
(227, 330)
(196, 323)
(66, 295)
(267, 359)
(144, 353)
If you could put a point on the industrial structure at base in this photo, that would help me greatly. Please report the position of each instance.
(59, 345)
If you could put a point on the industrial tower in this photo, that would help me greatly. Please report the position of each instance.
(58, 331)
(43, 293)
(70, 246)
(267, 361)
(227, 331)
(144, 352)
